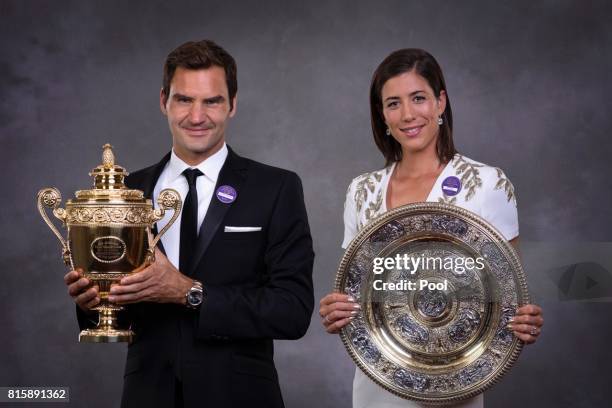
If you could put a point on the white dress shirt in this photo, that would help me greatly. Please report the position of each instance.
(172, 177)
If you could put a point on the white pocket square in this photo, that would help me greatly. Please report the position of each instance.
(241, 229)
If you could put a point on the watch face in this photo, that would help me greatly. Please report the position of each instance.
(194, 298)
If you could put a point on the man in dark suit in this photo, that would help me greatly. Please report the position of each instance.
(232, 275)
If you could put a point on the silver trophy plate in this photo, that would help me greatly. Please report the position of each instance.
(432, 326)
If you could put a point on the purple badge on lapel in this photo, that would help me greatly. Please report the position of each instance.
(226, 194)
(451, 186)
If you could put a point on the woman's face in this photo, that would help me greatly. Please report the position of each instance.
(411, 111)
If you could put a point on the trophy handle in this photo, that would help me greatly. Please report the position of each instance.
(168, 199)
(51, 197)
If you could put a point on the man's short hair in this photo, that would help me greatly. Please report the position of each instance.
(201, 55)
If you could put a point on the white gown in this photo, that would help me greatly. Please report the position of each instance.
(484, 190)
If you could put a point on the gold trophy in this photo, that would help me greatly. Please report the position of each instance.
(109, 236)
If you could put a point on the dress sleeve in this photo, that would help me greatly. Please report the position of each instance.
(499, 207)
(350, 216)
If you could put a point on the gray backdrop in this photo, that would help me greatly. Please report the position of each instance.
(530, 90)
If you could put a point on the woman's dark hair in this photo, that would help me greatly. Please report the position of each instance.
(201, 55)
(424, 64)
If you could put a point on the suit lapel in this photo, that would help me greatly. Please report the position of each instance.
(232, 174)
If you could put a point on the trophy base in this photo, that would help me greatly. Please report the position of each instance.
(105, 336)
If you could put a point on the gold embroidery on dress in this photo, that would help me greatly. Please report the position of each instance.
(375, 206)
(366, 185)
(361, 190)
(447, 200)
(470, 175)
(505, 184)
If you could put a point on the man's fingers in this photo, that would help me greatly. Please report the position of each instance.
(86, 296)
(337, 325)
(124, 299)
(71, 277)
(77, 287)
(133, 288)
(136, 277)
(130, 297)
(92, 303)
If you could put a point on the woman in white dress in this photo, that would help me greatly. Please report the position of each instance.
(412, 126)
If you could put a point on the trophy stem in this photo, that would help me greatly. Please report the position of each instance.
(106, 331)
(108, 319)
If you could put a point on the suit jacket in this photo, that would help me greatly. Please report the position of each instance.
(258, 286)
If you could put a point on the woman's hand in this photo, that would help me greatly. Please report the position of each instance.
(337, 310)
(527, 324)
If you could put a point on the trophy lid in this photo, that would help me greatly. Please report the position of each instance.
(108, 180)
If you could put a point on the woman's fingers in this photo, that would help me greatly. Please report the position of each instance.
(526, 328)
(335, 297)
(336, 301)
(528, 319)
(338, 315)
(529, 310)
(337, 310)
(338, 306)
(526, 338)
(337, 325)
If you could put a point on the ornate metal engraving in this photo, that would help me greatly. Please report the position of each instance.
(447, 340)
(109, 236)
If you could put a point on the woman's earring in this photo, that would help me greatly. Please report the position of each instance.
(388, 132)
(440, 121)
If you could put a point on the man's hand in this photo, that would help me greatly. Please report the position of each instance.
(159, 282)
(80, 289)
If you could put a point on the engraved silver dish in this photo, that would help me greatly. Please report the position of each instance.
(444, 342)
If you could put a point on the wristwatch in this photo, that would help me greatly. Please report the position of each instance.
(195, 296)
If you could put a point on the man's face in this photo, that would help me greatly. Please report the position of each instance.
(197, 109)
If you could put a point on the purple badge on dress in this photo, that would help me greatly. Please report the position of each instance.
(226, 194)
(451, 186)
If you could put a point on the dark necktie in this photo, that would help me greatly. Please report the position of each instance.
(189, 221)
